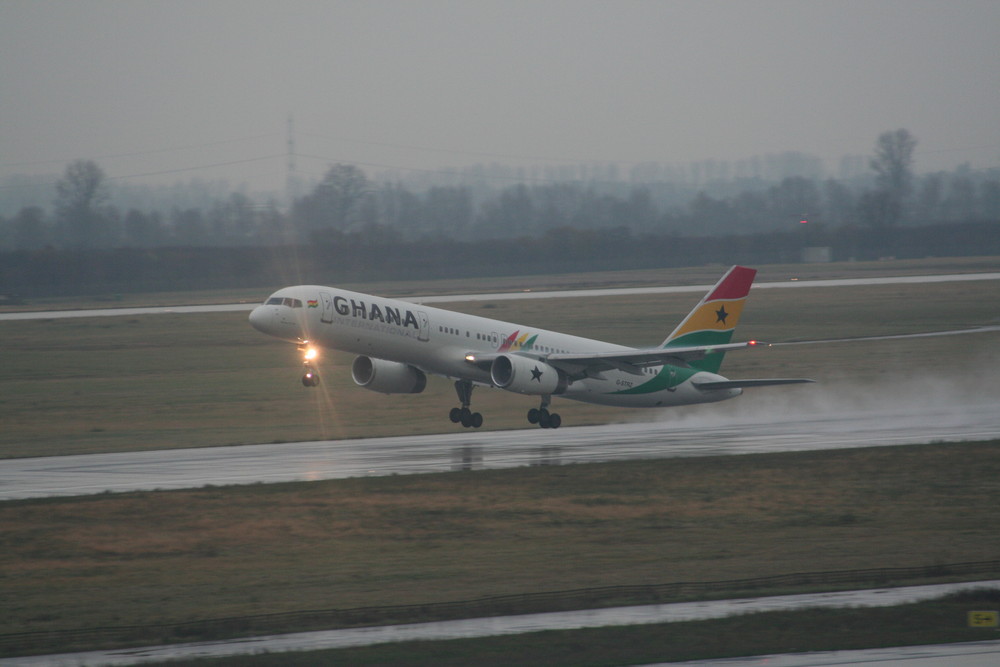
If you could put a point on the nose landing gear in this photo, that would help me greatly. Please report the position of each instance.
(311, 377)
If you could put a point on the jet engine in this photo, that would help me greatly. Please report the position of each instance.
(526, 376)
(387, 377)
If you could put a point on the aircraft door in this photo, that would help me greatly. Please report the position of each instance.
(425, 326)
(327, 315)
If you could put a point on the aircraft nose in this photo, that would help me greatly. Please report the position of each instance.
(260, 318)
(277, 321)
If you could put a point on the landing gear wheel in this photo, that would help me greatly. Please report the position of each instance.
(471, 419)
(544, 418)
(464, 415)
(310, 379)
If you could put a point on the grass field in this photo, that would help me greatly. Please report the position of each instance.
(71, 386)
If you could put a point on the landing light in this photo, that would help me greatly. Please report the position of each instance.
(470, 357)
(310, 353)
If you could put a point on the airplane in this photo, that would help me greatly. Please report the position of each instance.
(399, 344)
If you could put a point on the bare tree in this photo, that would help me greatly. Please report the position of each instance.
(332, 202)
(80, 195)
(893, 157)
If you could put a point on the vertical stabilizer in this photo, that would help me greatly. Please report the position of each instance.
(715, 317)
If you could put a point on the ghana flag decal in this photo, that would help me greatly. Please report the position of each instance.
(715, 317)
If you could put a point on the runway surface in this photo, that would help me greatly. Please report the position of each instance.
(985, 652)
(707, 435)
(508, 296)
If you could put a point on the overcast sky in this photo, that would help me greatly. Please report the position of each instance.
(145, 87)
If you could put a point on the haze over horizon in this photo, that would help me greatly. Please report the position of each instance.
(157, 91)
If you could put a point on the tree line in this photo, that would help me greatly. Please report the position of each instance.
(346, 202)
(352, 258)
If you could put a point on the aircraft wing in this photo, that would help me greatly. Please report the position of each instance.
(579, 366)
(632, 361)
(740, 384)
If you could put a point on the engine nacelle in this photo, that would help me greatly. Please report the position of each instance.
(526, 376)
(387, 377)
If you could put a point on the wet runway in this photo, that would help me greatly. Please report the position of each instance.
(980, 653)
(707, 435)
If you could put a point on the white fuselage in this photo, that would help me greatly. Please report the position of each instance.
(439, 342)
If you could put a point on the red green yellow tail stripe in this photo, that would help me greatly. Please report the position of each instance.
(715, 317)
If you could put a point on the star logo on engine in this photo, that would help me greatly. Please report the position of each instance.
(536, 374)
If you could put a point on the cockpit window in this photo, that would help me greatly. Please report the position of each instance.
(284, 301)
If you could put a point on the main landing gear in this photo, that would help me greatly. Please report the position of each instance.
(543, 417)
(469, 419)
(464, 415)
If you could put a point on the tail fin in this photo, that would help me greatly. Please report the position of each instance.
(715, 317)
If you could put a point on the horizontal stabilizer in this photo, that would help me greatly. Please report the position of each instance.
(741, 384)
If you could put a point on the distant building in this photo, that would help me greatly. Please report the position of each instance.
(817, 255)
